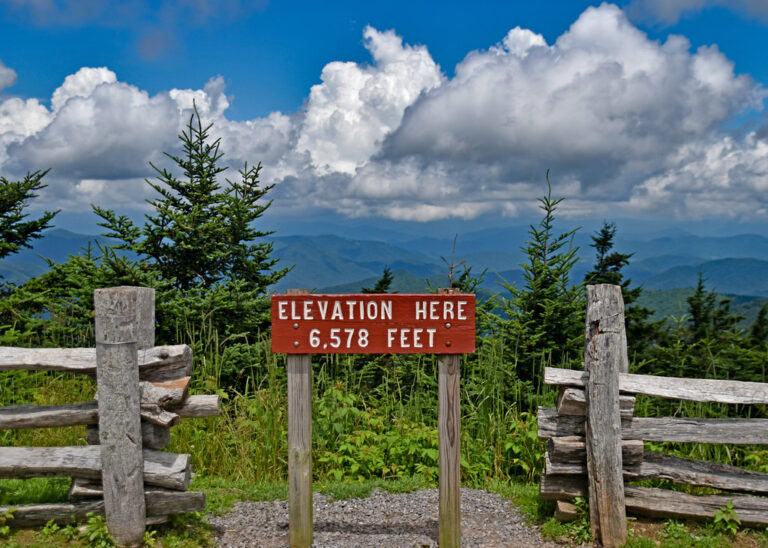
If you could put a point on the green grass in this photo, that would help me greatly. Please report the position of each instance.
(33, 490)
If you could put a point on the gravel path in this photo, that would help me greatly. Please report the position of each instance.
(381, 520)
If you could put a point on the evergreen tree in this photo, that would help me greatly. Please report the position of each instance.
(201, 236)
(608, 264)
(545, 315)
(16, 230)
(758, 332)
(383, 284)
(710, 318)
(608, 270)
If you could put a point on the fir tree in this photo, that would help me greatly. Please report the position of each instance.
(201, 237)
(545, 314)
(710, 318)
(758, 332)
(608, 270)
(16, 230)
(383, 284)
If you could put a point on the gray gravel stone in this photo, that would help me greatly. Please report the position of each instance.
(381, 520)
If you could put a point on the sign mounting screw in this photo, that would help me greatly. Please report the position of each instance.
(296, 344)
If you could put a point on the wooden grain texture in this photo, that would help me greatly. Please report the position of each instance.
(199, 406)
(662, 503)
(158, 415)
(299, 372)
(152, 435)
(556, 376)
(48, 416)
(396, 323)
(156, 363)
(605, 355)
(573, 449)
(563, 468)
(158, 503)
(677, 429)
(573, 401)
(122, 318)
(566, 511)
(166, 394)
(300, 450)
(553, 425)
(658, 465)
(83, 489)
(680, 429)
(679, 388)
(449, 433)
(170, 470)
(562, 487)
(167, 362)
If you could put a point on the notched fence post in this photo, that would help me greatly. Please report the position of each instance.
(124, 322)
(605, 356)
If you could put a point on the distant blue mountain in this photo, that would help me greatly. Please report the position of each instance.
(733, 276)
(56, 244)
(735, 264)
(707, 248)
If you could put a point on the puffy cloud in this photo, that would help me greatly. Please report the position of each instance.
(355, 107)
(7, 76)
(626, 124)
(722, 177)
(603, 103)
(81, 84)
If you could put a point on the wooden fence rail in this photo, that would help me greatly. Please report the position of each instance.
(595, 443)
(142, 390)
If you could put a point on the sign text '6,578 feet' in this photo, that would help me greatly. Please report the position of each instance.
(373, 324)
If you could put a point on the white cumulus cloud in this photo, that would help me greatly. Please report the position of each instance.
(7, 76)
(355, 107)
(625, 123)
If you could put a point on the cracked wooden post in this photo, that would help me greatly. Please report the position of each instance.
(605, 356)
(299, 368)
(449, 432)
(122, 324)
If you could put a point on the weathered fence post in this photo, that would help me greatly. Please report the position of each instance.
(605, 356)
(449, 432)
(124, 321)
(299, 368)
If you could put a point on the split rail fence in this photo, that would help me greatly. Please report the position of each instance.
(595, 443)
(142, 390)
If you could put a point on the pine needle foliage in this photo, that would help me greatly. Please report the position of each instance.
(201, 236)
(383, 284)
(641, 333)
(16, 230)
(544, 314)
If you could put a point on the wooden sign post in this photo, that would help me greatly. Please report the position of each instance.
(299, 368)
(304, 324)
(449, 442)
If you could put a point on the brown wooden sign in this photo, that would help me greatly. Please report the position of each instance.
(373, 324)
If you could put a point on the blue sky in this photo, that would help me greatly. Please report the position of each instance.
(649, 110)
